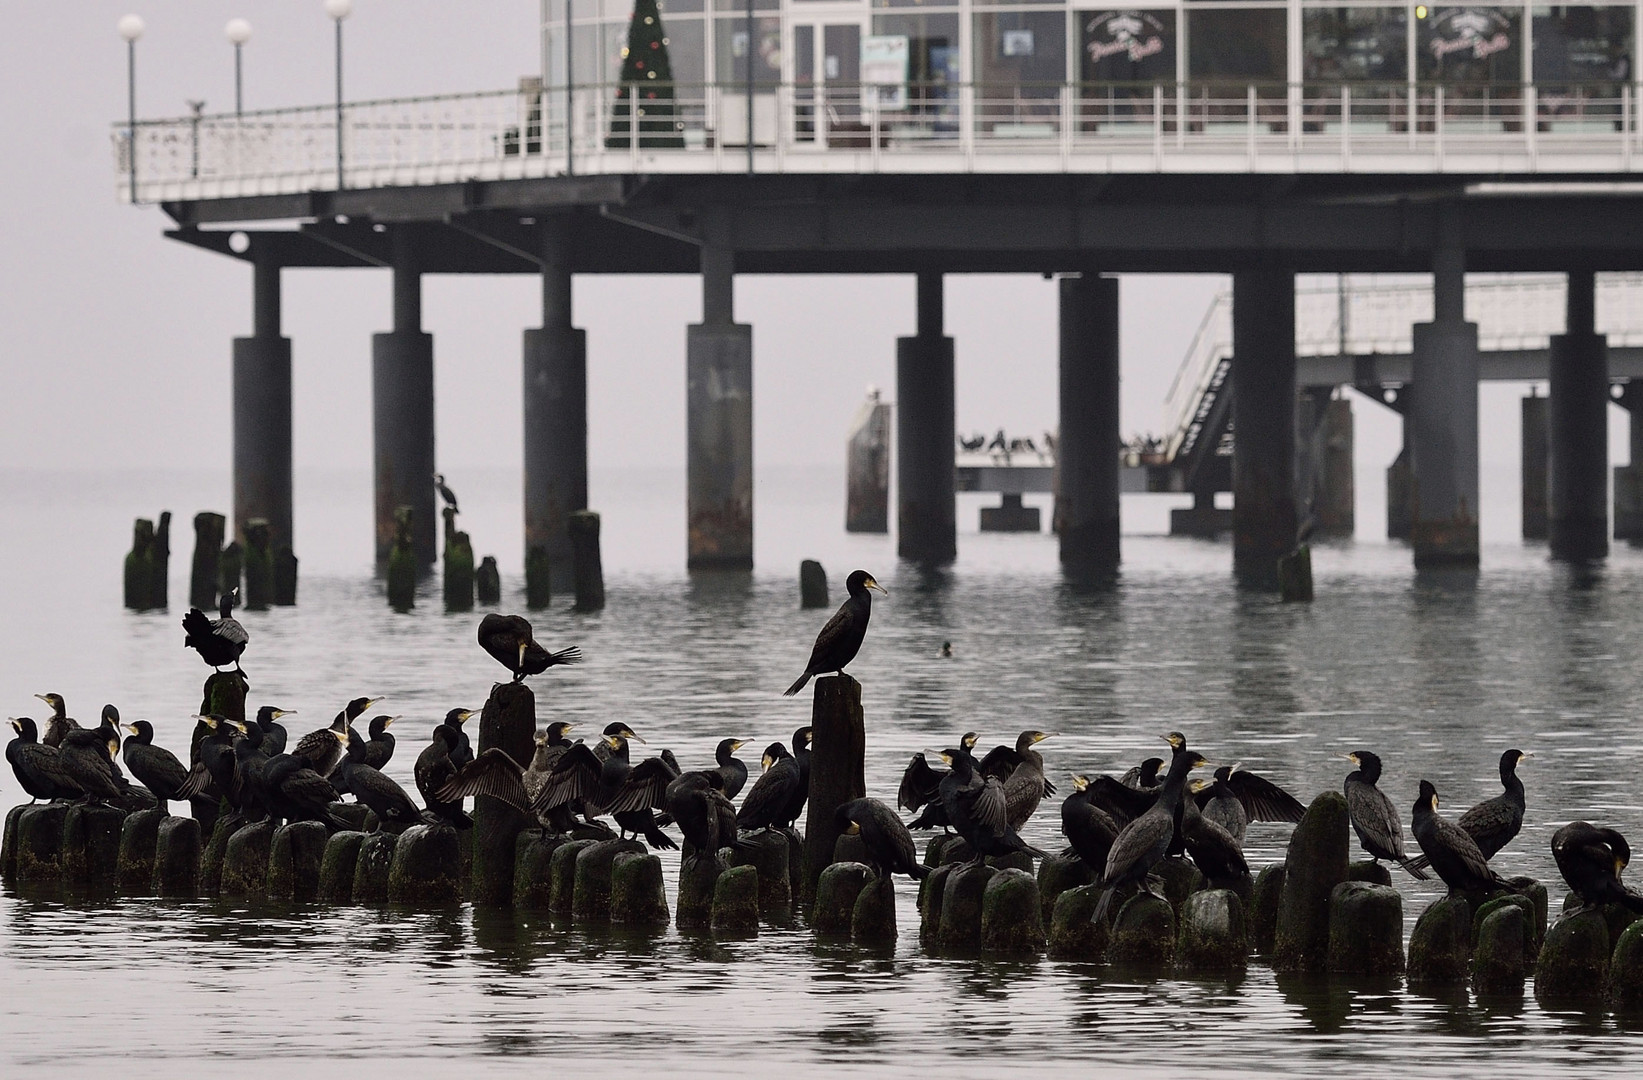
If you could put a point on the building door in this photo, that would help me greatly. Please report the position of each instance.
(827, 82)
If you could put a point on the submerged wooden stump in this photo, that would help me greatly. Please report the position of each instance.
(245, 861)
(532, 866)
(205, 570)
(211, 860)
(177, 857)
(159, 563)
(294, 860)
(458, 571)
(1440, 947)
(1143, 935)
(372, 867)
(588, 569)
(767, 851)
(1056, 875)
(837, 769)
(488, 582)
(91, 845)
(1012, 919)
(285, 576)
(637, 896)
(1315, 863)
(423, 872)
(590, 897)
(812, 584)
(873, 919)
(259, 566)
(8, 847)
(139, 567)
(1074, 932)
(402, 564)
(40, 842)
(1574, 962)
(1212, 938)
(509, 723)
(562, 876)
(230, 567)
(736, 901)
(538, 587)
(1365, 929)
(698, 875)
(338, 864)
(837, 891)
(961, 906)
(139, 837)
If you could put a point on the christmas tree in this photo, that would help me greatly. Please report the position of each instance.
(646, 93)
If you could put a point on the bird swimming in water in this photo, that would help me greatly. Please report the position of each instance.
(219, 641)
(946, 652)
(1143, 843)
(841, 638)
(507, 638)
(38, 767)
(155, 767)
(1373, 817)
(889, 845)
(1591, 860)
(1452, 853)
(1493, 823)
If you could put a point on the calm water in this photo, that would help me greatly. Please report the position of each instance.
(1438, 674)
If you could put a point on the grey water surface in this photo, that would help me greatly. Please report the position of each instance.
(1437, 673)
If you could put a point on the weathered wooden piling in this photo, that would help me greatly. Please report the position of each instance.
(637, 896)
(285, 577)
(812, 584)
(538, 587)
(736, 901)
(1143, 935)
(1074, 932)
(205, 569)
(1012, 918)
(91, 845)
(1626, 970)
(338, 864)
(1057, 874)
(873, 918)
(8, 847)
(930, 893)
(402, 563)
(532, 860)
(245, 861)
(1365, 929)
(224, 695)
(159, 563)
(1213, 938)
(961, 906)
(1440, 946)
(259, 566)
(424, 869)
(1263, 908)
(1180, 877)
(295, 860)
(458, 570)
(698, 874)
(1295, 575)
(139, 567)
(1501, 954)
(177, 857)
(488, 582)
(1315, 863)
(139, 837)
(849, 848)
(1574, 961)
(373, 867)
(586, 564)
(40, 842)
(230, 567)
(838, 755)
(562, 876)
(590, 899)
(216, 850)
(767, 852)
(837, 890)
(1370, 871)
(508, 722)
(359, 818)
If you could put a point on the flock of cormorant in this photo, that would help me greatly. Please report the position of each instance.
(1120, 827)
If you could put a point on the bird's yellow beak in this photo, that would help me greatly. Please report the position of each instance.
(737, 744)
(130, 727)
(43, 698)
(766, 761)
(284, 712)
(852, 829)
(1353, 758)
(872, 584)
(238, 726)
(373, 703)
(15, 726)
(522, 645)
(1080, 783)
(1042, 735)
(388, 723)
(627, 733)
(1524, 755)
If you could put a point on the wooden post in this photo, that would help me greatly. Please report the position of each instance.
(259, 566)
(159, 562)
(837, 769)
(508, 722)
(1295, 575)
(224, 695)
(459, 572)
(488, 582)
(139, 574)
(402, 564)
(812, 584)
(202, 581)
(285, 577)
(538, 590)
(590, 572)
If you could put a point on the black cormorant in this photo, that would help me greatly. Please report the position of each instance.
(1088, 828)
(731, 767)
(434, 770)
(798, 796)
(462, 752)
(1237, 797)
(212, 772)
(1493, 823)
(385, 798)
(59, 723)
(85, 758)
(496, 774)
(322, 750)
(1021, 771)
(508, 639)
(644, 788)
(581, 781)
(1143, 843)
(1144, 777)
(920, 781)
(297, 793)
(976, 807)
(274, 735)
(889, 845)
(1373, 817)
(445, 492)
(219, 641)
(38, 767)
(380, 748)
(1216, 851)
(1591, 860)
(155, 767)
(840, 639)
(707, 820)
(1453, 854)
(767, 804)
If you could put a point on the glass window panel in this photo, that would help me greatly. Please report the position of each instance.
(1352, 44)
(915, 3)
(1469, 45)
(1582, 44)
(686, 50)
(731, 50)
(678, 7)
(1241, 45)
(1127, 46)
(932, 63)
(1023, 50)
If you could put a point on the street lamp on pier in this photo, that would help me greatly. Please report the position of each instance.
(131, 28)
(339, 10)
(238, 32)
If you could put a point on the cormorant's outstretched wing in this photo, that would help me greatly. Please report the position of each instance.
(919, 784)
(229, 629)
(1263, 800)
(1123, 804)
(492, 773)
(991, 809)
(576, 776)
(645, 787)
(1000, 762)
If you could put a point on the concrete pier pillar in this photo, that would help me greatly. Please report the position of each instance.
(926, 502)
(402, 391)
(1534, 483)
(556, 415)
(1333, 493)
(262, 414)
(1263, 410)
(719, 401)
(1578, 431)
(1444, 415)
(1628, 479)
(1086, 450)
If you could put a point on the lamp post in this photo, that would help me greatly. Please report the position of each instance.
(131, 28)
(339, 10)
(238, 32)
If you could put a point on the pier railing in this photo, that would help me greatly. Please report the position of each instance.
(916, 127)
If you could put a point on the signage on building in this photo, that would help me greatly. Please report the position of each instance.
(1469, 33)
(884, 71)
(1126, 45)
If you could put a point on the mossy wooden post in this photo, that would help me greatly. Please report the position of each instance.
(159, 563)
(39, 843)
(838, 756)
(812, 584)
(259, 566)
(458, 567)
(1295, 575)
(508, 722)
(285, 577)
(177, 857)
(91, 845)
(586, 564)
(8, 849)
(205, 571)
(538, 589)
(139, 572)
(1316, 862)
(488, 582)
(139, 836)
(230, 567)
(402, 563)
(224, 695)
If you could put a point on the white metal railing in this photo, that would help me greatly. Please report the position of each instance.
(1089, 127)
(1519, 311)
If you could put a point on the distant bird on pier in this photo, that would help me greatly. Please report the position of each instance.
(1373, 818)
(1591, 859)
(841, 638)
(889, 845)
(970, 446)
(60, 724)
(508, 639)
(39, 767)
(445, 493)
(219, 641)
(1493, 823)
(155, 767)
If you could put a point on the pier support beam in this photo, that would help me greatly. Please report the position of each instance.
(1324, 472)
(1263, 410)
(1628, 479)
(1086, 449)
(262, 414)
(1443, 418)
(402, 389)
(1578, 431)
(1533, 476)
(556, 416)
(926, 501)
(719, 401)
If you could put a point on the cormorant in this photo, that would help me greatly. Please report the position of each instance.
(445, 493)
(274, 735)
(155, 767)
(977, 809)
(252, 793)
(602, 748)
(1142, 843)
(1144, 777)
(1237, 797)
(380, 748)
(385, 798)
(86, 759)
(59, 724)
(1021, 771)
(462, 752)
(921, 787)
(322, 750)
(434, 770)
(1373, 817)
(341, 776)
(213, 770)
(1493, 823)
(297, 793)
(38, 767)
(1452, 853)
(1591, 860)
(584, 783)
(508, 639)
(889, 845)
(1088, 828)
(1121, 802)
(732, 768)
(767, 804)
(1217, 853)
(840, 639)
(219, 641)
(696, 801)
(644, 788)
(498, 775)
(798, 796)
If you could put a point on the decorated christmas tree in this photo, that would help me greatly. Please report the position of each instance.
(646, 94)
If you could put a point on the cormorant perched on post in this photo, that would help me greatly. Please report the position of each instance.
(1373, 818)
(213, 769)
(496, 774)
(921, 787)
(1214, 849)
(643, 789)
(59, 723)
(696, 801)
(274, 735)
(219, 641)
(889, 845)
(583, 783)
(462, 752)
(433, 771)
(1453, 854)
(86, 759)
(841, 638)
(1144, 777)
(39, 767)
(293, 791)
(1142, 843)
(1493, 823)
(508, 640)
(445, 493)
(155, 767)
(380, 749)
(385, 798)
(1088, 828)
(322, 750)
(1237, 797)
(1021, 771)
(1591, 860)
(768, 802)
(800, 795)
(976, 806)
(732, 768)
